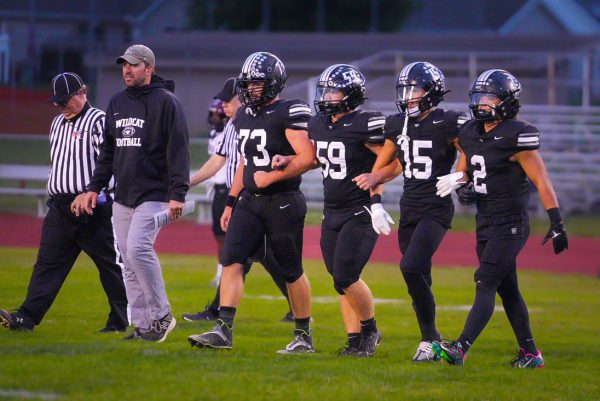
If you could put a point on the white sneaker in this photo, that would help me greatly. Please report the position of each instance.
(425, 353)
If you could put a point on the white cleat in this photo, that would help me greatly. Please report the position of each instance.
(425, 353)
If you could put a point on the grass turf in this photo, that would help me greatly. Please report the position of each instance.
(65, 358)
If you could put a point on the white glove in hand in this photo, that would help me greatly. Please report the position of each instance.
(448, 183)
(380, 219)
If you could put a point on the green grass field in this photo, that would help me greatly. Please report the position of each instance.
(66, 359)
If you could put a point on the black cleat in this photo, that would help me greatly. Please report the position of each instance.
(221, 337)
(368, 344)
(348, 350)
(159, 329)
(112, 328)
(449, 351)
(15, 321)
(203, 316)
(134, 335)
(288, 318)
(525, 360)
(301, 344)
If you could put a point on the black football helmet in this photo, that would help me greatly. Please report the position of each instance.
(421, 75)
(500, 85)
(260, 67)
(338, 78)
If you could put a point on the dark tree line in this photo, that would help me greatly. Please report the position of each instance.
(300, 15)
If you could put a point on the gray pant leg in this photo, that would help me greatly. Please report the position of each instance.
(143, 259)
(139, 309)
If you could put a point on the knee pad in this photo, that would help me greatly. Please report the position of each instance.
(292, 273)
(485, 286)
(341, 283)
(408, 265)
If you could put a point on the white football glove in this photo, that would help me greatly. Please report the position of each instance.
(448, 183)
(380, 219)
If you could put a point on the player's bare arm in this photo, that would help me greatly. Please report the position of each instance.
(297, 165)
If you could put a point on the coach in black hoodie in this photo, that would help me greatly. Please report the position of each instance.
(146, 148)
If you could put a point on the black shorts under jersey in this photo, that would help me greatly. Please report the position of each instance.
(280, 217)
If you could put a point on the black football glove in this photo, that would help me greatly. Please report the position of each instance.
(466, 194)
(557, 232)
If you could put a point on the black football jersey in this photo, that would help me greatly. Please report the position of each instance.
(502, 184)
(262, 136)
(426, 152)
(343, 155)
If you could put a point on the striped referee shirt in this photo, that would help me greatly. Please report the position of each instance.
(229, 150)
(74, 148)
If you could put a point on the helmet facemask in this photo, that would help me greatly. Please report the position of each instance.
(254, 92)
(487, 106)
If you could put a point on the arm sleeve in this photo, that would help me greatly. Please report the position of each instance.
(528, 139)
(375, 126)
(104, 164)
(178, 149)
(297, 116)
(392, 127)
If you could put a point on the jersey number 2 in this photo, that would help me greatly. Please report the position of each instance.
(479, 174)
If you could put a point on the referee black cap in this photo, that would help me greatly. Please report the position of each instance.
(64, 85)
(228, 91)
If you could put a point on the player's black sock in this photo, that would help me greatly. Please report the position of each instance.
(367, 327)
(353, 340)
(516, 311)
(227, 314)
(214, 305)
(481, 312)
(302, 325)
(423, 304)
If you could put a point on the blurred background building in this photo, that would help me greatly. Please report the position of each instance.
(552, 46)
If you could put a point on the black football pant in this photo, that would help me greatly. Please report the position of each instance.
(418, 243)
(499, 241)
(63, 238)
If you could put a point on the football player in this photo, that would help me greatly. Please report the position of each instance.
(346, 141)
(425, 139)
(501, 156)
(268, 201)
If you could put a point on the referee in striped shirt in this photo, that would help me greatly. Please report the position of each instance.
(227, 155)
(75, 138)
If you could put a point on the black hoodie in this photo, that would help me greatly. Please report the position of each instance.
(146, 146)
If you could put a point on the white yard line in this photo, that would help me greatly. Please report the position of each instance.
(24, 394)
(379, 301)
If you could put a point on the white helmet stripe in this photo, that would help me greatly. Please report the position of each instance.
(249, 61)
(406, 70)
(325, 75)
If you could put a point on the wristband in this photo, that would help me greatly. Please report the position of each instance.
(230, 201)
(375, 199)
(554, 215)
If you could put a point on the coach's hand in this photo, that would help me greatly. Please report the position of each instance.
(467, 195)
(175, 209)
(380, 219)
(225, 217)
(448, 183)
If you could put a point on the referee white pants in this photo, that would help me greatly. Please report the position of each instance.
(136, 233)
